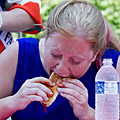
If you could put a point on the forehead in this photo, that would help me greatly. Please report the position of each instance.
(61, 41)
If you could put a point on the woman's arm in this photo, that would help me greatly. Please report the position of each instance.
(22, 15)
(16, 20)
(32, 89)
(8, 63)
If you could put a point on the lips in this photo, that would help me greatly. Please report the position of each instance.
(62, 75)
(51, 71)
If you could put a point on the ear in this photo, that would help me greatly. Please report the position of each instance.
(95, 55)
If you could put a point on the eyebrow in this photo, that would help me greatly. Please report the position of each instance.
(54, 48)
(80, 56)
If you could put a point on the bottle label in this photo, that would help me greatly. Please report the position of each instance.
(107, 87)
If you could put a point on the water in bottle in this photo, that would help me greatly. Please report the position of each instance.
(107, 92)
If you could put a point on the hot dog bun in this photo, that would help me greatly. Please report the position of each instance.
(54, 78)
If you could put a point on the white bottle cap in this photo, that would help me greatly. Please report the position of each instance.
(107, 61)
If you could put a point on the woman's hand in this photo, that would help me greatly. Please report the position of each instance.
(77, 94)
(32, 90)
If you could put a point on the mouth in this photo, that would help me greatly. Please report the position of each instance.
(72, 76)
(51, 71)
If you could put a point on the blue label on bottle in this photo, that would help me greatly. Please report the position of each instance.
(99, 87)
(118, 87)
(106, 87)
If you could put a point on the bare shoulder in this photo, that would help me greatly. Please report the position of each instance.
(8, 64)
(41, 48)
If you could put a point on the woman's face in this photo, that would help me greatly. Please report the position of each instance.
(67, 56)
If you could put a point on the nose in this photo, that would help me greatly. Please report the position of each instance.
(63, 68)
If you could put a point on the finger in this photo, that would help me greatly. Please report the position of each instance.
(75, 101)
(75, 81)
(70, 92)
(41, 80)
(42, 87)
(37, 92)
(75, 87)
(72, 99)
(35, 98)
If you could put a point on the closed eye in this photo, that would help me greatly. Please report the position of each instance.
(56, 56)
(75, 61)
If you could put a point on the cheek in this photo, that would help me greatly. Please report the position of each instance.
(80, 70)
(48, 61)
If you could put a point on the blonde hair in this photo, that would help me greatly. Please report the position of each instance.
(78, 18)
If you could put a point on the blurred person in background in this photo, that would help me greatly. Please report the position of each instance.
(18, 15)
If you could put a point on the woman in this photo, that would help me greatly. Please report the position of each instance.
(76, 37)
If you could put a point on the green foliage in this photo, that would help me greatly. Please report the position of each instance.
(46, 8)
(109, 8)
(111, 11)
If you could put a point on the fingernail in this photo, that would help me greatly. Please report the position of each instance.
(59, 82)
(65, 79)
(61, 93)
(51, 93)
(47, 99)
(53, 83)
(59, 88)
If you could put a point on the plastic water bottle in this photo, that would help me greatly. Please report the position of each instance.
(107, 92)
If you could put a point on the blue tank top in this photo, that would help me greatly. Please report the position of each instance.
(30, 66)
